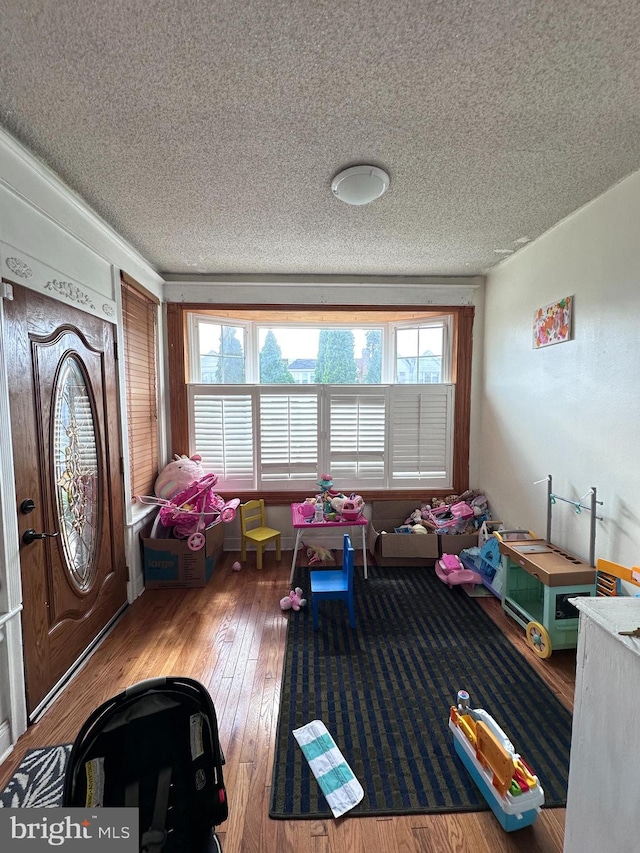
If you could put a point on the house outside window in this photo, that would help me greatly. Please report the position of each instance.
(303, 370)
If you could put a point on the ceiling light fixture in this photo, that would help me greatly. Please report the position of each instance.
(359, 184)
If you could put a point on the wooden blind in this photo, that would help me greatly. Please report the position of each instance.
(139, 314)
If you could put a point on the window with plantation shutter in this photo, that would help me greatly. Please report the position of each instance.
(140, 317)
(255, 437)
(357, 431)
(288, 436)
(421, 435)
(272, 437)
(223, 431)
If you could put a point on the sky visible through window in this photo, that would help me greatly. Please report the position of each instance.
(303, 343)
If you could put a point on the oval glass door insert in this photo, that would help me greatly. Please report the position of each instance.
(76, 471)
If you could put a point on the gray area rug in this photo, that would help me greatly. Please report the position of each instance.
(38, 780)
(384, 689)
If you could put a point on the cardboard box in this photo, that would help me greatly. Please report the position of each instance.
(171, 564)
(408, 549)
(453, 543)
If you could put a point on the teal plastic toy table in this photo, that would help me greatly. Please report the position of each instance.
(539, 580)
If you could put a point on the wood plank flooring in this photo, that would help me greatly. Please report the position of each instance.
(230, 636)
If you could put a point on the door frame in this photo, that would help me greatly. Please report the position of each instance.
(11, 599)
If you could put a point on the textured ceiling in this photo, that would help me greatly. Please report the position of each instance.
(207, 133)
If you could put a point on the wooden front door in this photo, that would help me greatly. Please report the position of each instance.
(69, 501)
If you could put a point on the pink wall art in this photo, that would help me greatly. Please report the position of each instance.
(552, 324)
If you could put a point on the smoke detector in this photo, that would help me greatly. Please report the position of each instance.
(359, 184)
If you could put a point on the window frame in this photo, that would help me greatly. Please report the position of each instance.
(447, 357)
(194, 364)
(461, 331)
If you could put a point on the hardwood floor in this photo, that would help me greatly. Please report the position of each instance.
(230, 636)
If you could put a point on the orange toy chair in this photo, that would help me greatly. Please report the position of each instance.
(254, 529)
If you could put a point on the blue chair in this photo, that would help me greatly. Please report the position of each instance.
(335, 584)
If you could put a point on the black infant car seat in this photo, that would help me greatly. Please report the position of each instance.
(154, 746)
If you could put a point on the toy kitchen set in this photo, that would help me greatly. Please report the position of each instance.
(540, 578)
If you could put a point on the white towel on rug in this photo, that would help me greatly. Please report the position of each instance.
(336, 779)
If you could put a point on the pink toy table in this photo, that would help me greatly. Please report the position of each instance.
(301, 524)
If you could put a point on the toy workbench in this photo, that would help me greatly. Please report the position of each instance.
(539, 580)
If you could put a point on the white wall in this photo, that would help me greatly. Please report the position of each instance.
(570, 410)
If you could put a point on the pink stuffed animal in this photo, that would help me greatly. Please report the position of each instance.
(178, 475)
(293, 601)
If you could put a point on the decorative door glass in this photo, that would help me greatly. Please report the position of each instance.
(76, 471)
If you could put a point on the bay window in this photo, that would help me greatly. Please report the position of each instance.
(273, 397)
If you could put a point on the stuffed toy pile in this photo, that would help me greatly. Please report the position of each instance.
(463, 513)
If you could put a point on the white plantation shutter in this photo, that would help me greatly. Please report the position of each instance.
(222, 432)
(357, 432)
(421, 436)
(259, 437)
(288, 437)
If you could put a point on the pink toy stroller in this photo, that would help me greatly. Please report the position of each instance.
(193, 510)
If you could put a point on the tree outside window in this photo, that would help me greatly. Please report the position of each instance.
(372, 358)
(222, 354)
(336, 363)
(273, 367)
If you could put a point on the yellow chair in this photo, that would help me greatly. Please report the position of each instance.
(254, 529)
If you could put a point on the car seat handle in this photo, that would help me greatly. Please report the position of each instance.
(147, 684)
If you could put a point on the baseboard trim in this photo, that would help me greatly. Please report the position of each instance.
(6, 747)
(71, 673)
